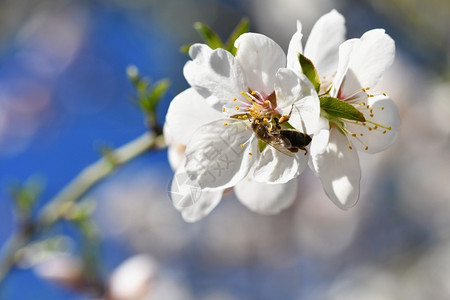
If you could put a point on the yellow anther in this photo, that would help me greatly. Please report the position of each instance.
(242, 145)
(223, 109)
(234, 99)
(382, 108)
(384, 94)
(354, 134)
(384, 132)
(367, 148)
(371, 115)
(350, 147)
(225, 123)
(246, 127)
(237, 107)
(250, 154)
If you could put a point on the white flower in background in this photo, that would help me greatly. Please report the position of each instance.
(348, 71)
(235, 104)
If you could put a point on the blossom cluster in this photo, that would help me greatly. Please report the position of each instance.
(254, 121)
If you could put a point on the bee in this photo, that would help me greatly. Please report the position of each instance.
(285, 140)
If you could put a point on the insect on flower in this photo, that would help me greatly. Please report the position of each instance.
(286, 140)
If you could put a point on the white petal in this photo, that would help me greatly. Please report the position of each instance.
(385, 114)
(215, 74)
(214, 156)
(295, 47)
(345, 51)
(266, 199)
(322, 47)
(338, 169)
(274, 166)
(294, 88)
(320, 140)
(187, 196)
(187, 112)
(206, 202)
(369, 59)
(260, 58)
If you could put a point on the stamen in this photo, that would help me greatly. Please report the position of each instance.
(225, 123)
(237, 107)
(382, 126)
(250, 153)
(223, 109)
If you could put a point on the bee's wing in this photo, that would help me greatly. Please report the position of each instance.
(280, 144)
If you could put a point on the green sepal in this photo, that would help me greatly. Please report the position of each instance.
(310, 71)
(209, 36)
(334, 109)
(242, 27)
(261, 145)
(185, 48)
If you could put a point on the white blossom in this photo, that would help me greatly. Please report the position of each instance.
(348, 71)
(217, 120)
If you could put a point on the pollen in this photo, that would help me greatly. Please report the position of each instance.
(225, 124)
(382, 108)
(384, 132)
(242, 145)
(253, 93)
(223, 109)
(367, 148)
(370, 128)
(237, 107)
(250, 153)
(234, 99)
(354, 134)
(246, 127)
(371, 115)
(384, 94)
(350, 147)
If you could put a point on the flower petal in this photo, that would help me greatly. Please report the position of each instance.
(374, 138)
(274, 166)
(295, 47)
(260, 58)
(215, 75)
(266, 199)
(187, 112)
(193, 202)
(338, 169)
(369, 59)
(322, 47)
(219, 155)
(292, 88)
(320, 140)
(345, 50)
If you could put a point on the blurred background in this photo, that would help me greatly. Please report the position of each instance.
(64, 94)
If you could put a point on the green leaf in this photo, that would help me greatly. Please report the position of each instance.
(209, 36)
(242, 27)
(156, 93)
(310, 71)
(261, 145)
(25, 195)
(333, 109)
